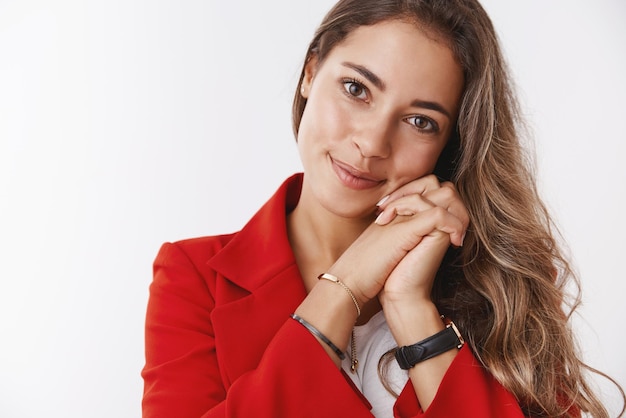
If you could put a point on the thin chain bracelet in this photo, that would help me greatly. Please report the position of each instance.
(354, 361)
(334, 279)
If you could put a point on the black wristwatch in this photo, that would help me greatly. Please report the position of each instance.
(409, 355)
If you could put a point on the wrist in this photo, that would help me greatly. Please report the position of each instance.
(334, 279)
(437, 344)
(360, 297)
(410, 323)
(329, 310)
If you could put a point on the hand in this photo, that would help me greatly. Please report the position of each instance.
(412, 279)
(405, 298)
(423, 194)
(421, 214)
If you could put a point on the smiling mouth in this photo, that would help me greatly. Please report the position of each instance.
(354, 178)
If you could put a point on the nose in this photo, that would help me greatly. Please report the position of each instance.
(373, 140)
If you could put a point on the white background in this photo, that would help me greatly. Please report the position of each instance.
(124, 124)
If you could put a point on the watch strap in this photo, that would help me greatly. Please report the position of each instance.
(439, 343)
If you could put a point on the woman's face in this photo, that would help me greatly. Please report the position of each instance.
(379, 111)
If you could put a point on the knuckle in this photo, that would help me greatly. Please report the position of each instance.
(439, 213)
(432, 180)
(448, 193)
(448, 185)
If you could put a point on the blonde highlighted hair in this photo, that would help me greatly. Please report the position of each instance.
(506, 288)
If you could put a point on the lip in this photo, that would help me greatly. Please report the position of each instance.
(354, 178)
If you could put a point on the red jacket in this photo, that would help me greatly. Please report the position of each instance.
(219, 340)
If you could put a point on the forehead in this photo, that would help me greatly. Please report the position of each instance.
(402, 54)
(387, 39)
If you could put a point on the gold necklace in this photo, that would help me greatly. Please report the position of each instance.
(355, 362)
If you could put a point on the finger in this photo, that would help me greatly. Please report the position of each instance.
(407, 205)
(448, 198)
(426, 223)
(419, 186)
(439, 219)
(445, 196)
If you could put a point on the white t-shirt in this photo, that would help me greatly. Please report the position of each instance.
(374, 339)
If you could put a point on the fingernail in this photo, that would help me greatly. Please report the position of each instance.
(382, 201)
(463, 238)
(378, 218)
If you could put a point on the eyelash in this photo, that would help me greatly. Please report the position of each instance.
(353, 81)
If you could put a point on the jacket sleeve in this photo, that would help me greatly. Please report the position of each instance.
(467, 390)
(295, 376)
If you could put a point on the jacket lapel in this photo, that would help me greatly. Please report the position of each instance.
(258, 285)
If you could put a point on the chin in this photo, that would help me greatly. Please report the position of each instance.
(349, 209)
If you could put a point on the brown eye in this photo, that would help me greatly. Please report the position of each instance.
(355, 89)
(423, 124)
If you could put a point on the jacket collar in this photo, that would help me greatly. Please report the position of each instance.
(259, 260)
(261, 249)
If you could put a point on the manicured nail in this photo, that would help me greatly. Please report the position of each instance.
(378, 218)
(382, 201)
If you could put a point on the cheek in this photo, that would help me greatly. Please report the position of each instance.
(418, 161)
(324, 122)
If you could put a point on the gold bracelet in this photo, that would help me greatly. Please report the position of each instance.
(334, 279)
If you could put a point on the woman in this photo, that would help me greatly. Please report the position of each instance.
(415, 203)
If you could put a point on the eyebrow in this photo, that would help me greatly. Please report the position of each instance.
(380, 84)
(432, 106)
(373, 78)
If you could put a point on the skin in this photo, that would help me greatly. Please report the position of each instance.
(379, 110)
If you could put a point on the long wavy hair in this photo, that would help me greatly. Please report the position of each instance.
(506, 287)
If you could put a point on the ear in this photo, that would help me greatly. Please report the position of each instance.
(310, 69)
